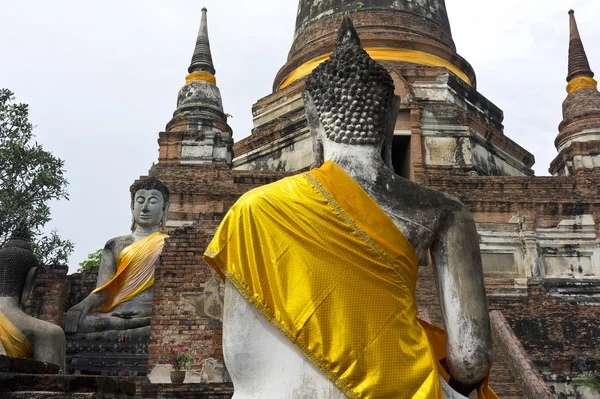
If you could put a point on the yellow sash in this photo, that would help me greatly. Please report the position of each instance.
(330, 270)
(135, 271)
(15, 343)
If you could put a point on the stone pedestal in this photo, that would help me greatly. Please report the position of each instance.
(101, 356)
(10, 364)
(30, 386)
(186, 391)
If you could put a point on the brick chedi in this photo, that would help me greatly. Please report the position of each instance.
(198, 131)
(578, 141)
(444, 124)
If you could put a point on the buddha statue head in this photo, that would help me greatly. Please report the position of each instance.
(149, 202)
(18, 265)
(349, 99)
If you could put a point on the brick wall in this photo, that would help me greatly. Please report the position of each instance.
(560, 333)
(47, 300)
(181, 270)
(54, 292)
(80, 286)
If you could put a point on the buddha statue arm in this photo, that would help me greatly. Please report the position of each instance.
(106, 272)
(463, 300)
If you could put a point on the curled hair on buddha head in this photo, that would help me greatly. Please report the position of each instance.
(16, 260)
(351, 92)
(152, 182)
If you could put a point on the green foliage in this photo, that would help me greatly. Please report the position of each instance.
(91, 262)
(29, 179)
(587, 381)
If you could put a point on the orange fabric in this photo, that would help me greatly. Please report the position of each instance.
(15, 343)
(135, 271)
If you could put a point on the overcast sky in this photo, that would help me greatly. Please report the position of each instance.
(102, 80)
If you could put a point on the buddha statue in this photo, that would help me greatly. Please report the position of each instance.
(321, 267)
(22, 335)
(121, 304)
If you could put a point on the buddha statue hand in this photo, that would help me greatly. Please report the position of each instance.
(461, 388)
(131, 314)
(75, 316)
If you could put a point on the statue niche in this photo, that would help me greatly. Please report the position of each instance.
(22, 335)
(119, 309)
(321, 267)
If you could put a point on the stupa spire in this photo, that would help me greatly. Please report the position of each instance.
(577, 141)
(202, 58)
(579, 65)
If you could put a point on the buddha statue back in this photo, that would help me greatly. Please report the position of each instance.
(351, 111)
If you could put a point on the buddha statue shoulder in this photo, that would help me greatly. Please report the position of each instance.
(321, 267)
(122, 301)
(20, 334)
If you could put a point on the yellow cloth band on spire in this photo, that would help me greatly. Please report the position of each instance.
(382, 54)
(135, 271)
(15, 343)
(582, 82)
(201, 75)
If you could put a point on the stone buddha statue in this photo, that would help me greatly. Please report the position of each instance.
(22, 335)
(121, 304)
(321, 267)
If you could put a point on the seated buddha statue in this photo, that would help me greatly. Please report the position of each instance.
(321, 267)
(121, 304)
(22, 335)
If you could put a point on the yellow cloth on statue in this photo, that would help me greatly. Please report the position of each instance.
(135, 271)
(330, 270)
(15, 343)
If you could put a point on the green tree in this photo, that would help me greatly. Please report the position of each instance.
(91, 262)
(587, 381)
(30, 178)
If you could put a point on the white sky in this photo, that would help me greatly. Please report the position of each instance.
(102, 80)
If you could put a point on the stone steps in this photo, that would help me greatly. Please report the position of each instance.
(49, 395)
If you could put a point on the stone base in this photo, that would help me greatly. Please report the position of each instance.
(186, 391)
(28, 386)
(107, 357)
(26, 366)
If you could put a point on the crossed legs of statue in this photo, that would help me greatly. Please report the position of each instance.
(130, 318)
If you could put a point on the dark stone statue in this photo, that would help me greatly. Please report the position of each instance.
(23, 335)
(351, 110)
(102, 311)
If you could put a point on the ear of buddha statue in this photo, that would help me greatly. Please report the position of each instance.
(353, 96)
(163, 221)
(28, 286)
